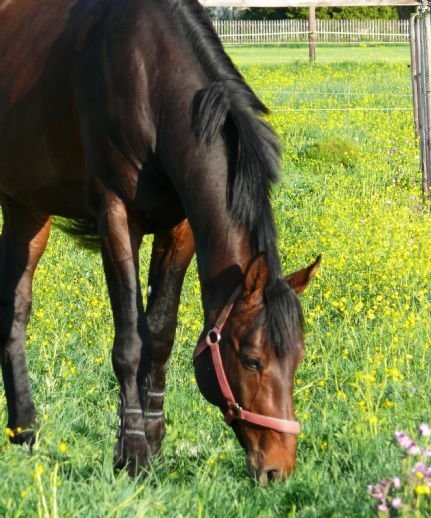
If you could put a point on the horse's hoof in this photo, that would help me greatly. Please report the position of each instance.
(132, 453)
(21, 435)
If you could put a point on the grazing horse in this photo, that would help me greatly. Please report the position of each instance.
(128, 118)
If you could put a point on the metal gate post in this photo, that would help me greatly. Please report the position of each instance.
(427, 93)
(414, 70)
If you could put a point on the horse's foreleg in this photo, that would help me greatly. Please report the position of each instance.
(172, 252)
(132, 343)
(24, 238)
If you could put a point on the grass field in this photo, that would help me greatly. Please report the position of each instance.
(350, 189)
(280, 54)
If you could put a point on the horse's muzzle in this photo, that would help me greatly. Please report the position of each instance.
(265, 473)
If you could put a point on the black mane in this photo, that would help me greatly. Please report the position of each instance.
(229, 105)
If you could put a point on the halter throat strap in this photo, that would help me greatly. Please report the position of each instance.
(235, 411)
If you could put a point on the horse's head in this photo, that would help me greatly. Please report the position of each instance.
(250, 356)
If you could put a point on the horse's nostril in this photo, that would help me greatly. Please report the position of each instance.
(273, 474)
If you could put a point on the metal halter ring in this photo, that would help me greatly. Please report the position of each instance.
(235, 410)
(213, 337)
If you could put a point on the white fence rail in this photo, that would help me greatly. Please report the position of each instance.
(240, 32)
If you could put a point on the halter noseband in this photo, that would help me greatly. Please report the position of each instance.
(212, 341)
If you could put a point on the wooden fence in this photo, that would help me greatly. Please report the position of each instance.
(239, 32)
(421, 78)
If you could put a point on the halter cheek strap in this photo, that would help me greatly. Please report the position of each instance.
(212, 341)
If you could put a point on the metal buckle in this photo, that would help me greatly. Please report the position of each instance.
(235, 410)
(213, 337)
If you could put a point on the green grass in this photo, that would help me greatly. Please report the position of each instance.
(366, 370)
(284, 54)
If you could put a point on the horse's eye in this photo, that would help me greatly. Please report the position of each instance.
(252, 363)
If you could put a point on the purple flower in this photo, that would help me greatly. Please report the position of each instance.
(425, 430)
(414, 450)
(404, 440)
(383, 508)
(420, 467)
(396, 482)
(372, 489)
(375, 491)
(396, 503)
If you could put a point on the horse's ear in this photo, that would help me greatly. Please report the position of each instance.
(298, 281)
(256, 277)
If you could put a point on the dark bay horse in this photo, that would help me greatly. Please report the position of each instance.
(127, 117)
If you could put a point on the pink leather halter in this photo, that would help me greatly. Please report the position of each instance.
(212, 341)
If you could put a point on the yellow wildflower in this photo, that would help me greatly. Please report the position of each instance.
(62, 447)
(422, 489)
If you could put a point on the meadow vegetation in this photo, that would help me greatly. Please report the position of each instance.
(349, 190)
(328, 53)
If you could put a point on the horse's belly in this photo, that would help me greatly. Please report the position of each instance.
(41, 160)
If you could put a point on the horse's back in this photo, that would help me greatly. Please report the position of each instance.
(28, 31)
(40, 156)
(68, 76)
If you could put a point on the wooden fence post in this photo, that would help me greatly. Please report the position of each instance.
(312, 34)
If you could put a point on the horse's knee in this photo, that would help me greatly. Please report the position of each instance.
(125, 359)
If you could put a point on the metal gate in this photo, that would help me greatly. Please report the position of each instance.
(420, 39)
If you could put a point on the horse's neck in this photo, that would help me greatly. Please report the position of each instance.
(222, 261)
